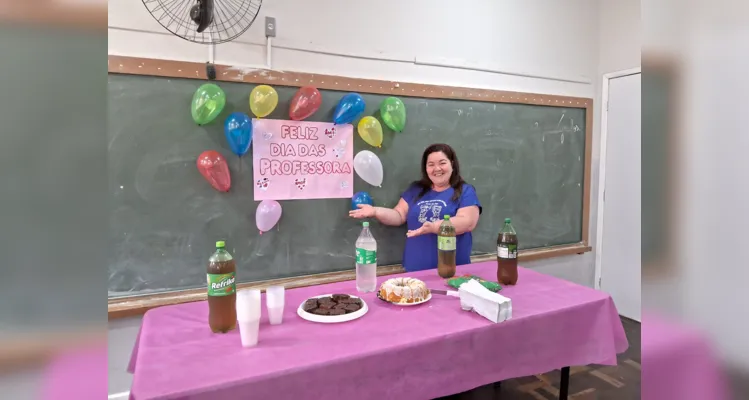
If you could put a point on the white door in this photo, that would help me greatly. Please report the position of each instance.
(620, 244)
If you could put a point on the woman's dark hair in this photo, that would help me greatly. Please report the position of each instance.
(456, 181)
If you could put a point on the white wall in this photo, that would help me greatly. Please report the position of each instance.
(556, 41)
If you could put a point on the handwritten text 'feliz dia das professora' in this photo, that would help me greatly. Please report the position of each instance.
(285, 155)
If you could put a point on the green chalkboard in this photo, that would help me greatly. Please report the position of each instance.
(526, 162)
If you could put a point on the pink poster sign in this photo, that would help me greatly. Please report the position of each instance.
(295, 160)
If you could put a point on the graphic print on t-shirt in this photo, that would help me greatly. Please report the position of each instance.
(429, 210)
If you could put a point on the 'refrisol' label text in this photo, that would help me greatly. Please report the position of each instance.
(221, 284)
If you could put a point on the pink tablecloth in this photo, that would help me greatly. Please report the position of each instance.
(426, 351)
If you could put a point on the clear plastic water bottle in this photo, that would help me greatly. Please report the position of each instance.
(366, 261)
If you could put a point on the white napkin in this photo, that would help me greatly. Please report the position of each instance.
(492, 306)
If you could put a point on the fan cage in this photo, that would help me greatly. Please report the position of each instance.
(231, 18)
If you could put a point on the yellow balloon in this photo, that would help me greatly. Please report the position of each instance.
(371, 131)
(263, 100)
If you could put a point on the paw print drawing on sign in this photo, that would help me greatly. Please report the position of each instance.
(339, 152)
(300, 183)
(344, 184)
(267, 135)
(263, 183)
(330, 133)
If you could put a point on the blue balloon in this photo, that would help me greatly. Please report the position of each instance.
(238, 131)
(349, 108)
(361, 198)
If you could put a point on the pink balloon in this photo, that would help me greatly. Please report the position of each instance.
(267, 215)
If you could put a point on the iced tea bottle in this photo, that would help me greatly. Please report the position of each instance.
(222, 290)
(446, 249)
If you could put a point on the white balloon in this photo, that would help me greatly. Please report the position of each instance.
(368, 166)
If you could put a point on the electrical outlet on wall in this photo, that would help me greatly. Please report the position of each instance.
(270, 27)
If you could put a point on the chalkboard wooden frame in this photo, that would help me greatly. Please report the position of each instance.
(130, 306)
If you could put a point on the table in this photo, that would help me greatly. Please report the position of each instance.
(421, 352)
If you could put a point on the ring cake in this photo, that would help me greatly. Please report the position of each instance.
(404, 290)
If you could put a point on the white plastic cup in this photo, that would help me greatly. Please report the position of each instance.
(249, 331)
(274, 300)
(248, 316)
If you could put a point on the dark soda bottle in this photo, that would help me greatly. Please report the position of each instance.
(222, 290)
(507, 254)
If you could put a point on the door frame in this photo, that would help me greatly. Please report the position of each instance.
(602, 163)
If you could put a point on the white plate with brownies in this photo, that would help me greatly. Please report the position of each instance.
(332, 308)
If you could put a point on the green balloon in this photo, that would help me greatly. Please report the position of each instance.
(393, 113)
(207, 103)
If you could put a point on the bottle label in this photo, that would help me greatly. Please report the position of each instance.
(221, 284)
(507, 251)
(366, 256)
(446, 243)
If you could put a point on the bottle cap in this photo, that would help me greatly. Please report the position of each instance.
(507, 220)
(220, 244)
(365, 224)
(446, 217)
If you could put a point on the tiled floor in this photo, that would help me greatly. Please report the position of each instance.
(591, 382)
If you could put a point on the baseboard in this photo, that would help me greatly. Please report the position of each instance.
(119, 396)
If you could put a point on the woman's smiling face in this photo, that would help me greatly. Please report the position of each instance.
(439, 169)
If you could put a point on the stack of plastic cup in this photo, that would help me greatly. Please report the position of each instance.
(274, 299)
(248, 316)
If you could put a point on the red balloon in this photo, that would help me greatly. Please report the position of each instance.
(305, 102)
(214, 169)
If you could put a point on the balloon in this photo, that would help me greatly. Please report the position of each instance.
(348, 109)
(214, 169)
(267, 215)
(393, 113)
(361, 198)
(371, 131)
(368, 166)
(207, 103)
(305, 102)
(263, 100)
(238, 131)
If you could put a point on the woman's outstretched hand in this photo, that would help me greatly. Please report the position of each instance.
(427, 228)
(363, 211)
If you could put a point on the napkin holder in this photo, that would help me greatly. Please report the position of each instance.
(492, 306)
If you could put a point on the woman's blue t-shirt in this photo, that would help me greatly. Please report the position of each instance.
(421, 251)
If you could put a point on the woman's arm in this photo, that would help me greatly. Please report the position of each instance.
(466, 219)
(395, 216)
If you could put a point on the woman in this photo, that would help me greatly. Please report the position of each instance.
(441, 191)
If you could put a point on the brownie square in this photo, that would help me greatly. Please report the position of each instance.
(351, 301)
(352, 308)
(340, 306)
(337, 311)
(309, 305)
(321, 311)
(339, 297)
(327, 305)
